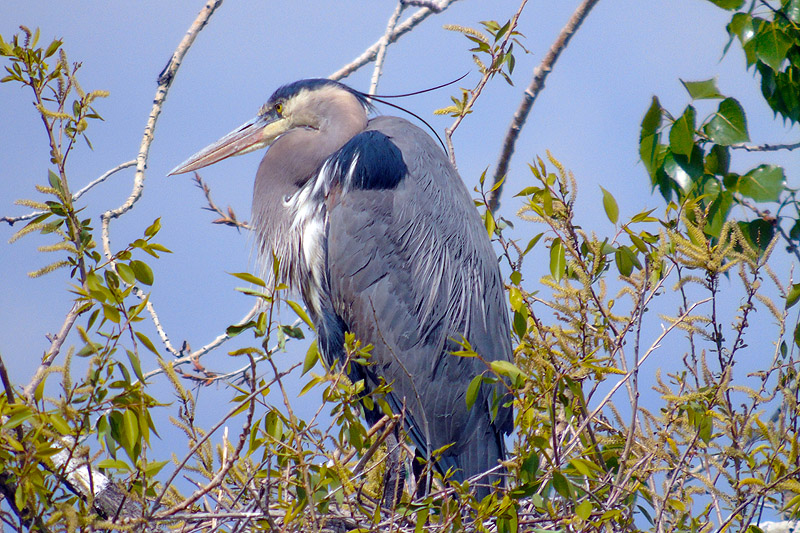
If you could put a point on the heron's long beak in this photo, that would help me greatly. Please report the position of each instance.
(250, 136)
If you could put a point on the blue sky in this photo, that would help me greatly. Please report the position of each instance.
(588, 116)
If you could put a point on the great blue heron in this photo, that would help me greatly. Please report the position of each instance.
(374, 227)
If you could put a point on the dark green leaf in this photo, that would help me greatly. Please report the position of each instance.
(717, 161)
(649, 138)
(764, 183)
(699, 90)
(681, 135)
(520, 323)
(232, 331)
(772, 44)
(718, 213)
(728, 125)
(472, 390)
(561, 485)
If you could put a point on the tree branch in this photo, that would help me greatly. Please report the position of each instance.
(12, 220)
(371, 53)
(164, 83)
(52, 353)
(380, 57)
(765, 147)
(476, 92)
(529, 96)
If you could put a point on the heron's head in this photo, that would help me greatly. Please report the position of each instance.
(314, 104)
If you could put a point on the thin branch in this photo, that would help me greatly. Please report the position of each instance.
(164, 83)
(529, 96)
(476, 92)
(156, 321)
(656, 344)
(380, 58)
(371, 53)
(229, 218)
(205, 349)
(52, 353)
(12, 220)
(765, 147)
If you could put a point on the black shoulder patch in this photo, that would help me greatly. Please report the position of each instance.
(370, 160)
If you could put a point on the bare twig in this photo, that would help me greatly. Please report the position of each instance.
(371, 53)
(529, 96)
(164, 83)
(656, 344)
(188, 358)
(380, 58)
(52, 353)
(765, 147)
(229, 218)
(476, 92)
(12, 220)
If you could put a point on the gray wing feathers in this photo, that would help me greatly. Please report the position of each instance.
(410, 269)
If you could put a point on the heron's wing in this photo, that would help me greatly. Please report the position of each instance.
(410, 271)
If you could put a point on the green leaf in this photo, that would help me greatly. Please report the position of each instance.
(793, 296)
(764, 183)
(135, 365)
(681, 135)
(146, 341)
(701, 90)
(55, 181)
(249, 278)
(584, 509)
(153, 228)
(506, 368)
(125, 272)
(52, 48)
(561, 485)
(730, 5)
(610, 205)
(558, 261)
(312, 356)
(111, 313)
(758, 232)
(472, 390)
(142, 272)
(301, 313)
(728, 125)
(116, 464)
(717, 161)
(489, 222)
(797, 334)
(772, 45)
(649, 138)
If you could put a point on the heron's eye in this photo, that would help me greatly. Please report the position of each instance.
(279, 108)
